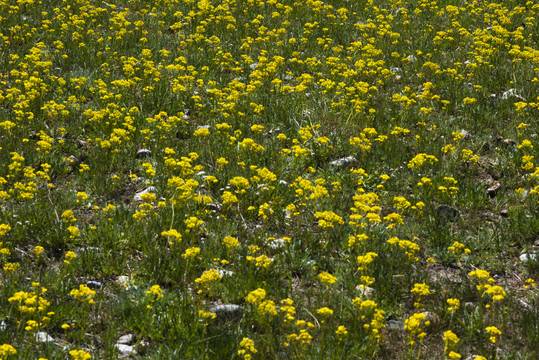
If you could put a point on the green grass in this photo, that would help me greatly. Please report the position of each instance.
(243, 107)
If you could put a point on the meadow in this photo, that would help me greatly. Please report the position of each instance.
(264, 179)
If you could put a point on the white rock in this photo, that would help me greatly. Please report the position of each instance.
(349, 160)
(226, 272)
(125, 350)
(123, 280)
(277, 243)
(143, 153)
(227, 310)
(509, 93)
(126, 339)
(526, 257)
(432, 317)
(43, 337)
(364, 291)
(465, 135)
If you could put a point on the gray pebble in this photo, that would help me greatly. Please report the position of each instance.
(94, 284)
(43, 337)
(227, 311)
(447, 212)
(126, 339)
(143, 153)
(395, 325)
(125, 350)
(346, 161)
(527, 257)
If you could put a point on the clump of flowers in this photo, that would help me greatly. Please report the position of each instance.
(256, 296)
(79, 355)
(303, 337)
(84, 294)
(422, 159)
(69, 256)
(420, 291)
(372, 317)
(327, 219)
(207, 280)
(247, 349)
(31, 302)
(327, 279)
(495, 292)
(288, 310)
(450, 342)
(341, 332)
(364, 261)
(415, 326)
(494, 334)
(173, 235)
(155, 293)
(459, 250)
(6, 351)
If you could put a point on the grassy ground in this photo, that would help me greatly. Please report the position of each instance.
(355, 179)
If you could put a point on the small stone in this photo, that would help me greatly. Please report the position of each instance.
(395, 325)
(151, 189)
(512, 93)
(144, 153)
(504, 213)
(43, 337)
(432, 317)
(506, 142)
(213, 206)
(527, 257)
(123, 280)
(364, 291)
(447, 212)
(349, 160)
(227, 311)
(277, 243)
(223, 272)
(273, 132)
(493, 189)
(126, 339)
(3, 326)
(94, 284)
(125, 350)
(465, 135)
(88, 249)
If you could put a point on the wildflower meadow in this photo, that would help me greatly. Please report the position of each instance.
(269, 179)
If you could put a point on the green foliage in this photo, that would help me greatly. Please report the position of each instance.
(358, 178)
